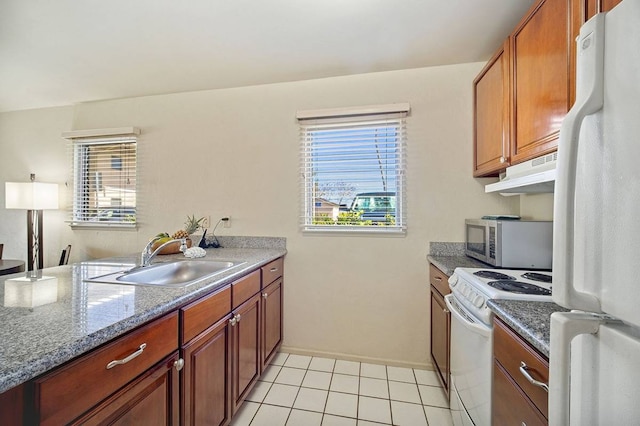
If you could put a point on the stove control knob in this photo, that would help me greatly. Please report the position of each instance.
(453, 280)
(465, 290)
(478, 301)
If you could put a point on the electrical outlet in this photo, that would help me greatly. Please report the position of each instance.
(227, 223)
(206, 222)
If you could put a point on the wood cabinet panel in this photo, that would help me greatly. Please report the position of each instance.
(69, 391)
(272, 302)
(439, 280)
(246, 349)
(510, 350)
(272, 271)
(151, 399)
(12, 406)
(206, 378)
(244, 288)
(201, 314)
(491, 115)
(510, 406)
(540, 80)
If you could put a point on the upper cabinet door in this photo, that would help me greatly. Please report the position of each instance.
(541, 78)
(491, 115)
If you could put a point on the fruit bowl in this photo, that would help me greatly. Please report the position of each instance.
(172, 248)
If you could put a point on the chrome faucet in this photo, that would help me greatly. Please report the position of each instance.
(147, 255)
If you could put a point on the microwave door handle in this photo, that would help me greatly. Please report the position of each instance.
(589, 99)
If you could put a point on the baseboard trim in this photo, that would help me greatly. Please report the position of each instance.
(359, 358)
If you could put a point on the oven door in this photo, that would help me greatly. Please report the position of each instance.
(471, 367)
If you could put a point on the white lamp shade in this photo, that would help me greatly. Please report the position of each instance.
(31, 195)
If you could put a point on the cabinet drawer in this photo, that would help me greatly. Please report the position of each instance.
(199, 315)
(439, 280)
(272, 271)
(510, 350)
(244, 288)
(69, 391)
(509, 405)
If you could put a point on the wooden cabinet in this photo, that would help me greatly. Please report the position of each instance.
(70, 391)
(491, 115)
(541, 78)
(206, 378)
(272, 303)
(151, 399)
(515, 399)
(245, 338)
(440, 326)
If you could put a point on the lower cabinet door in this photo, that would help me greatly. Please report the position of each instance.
(206, 386)
(245, 326)
(151, 399)
(271, 321)
(510, 406)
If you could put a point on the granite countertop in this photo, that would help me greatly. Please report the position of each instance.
(531, 320)
(78, 316)
(448, 264)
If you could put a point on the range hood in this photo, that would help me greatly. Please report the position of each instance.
(533, 176)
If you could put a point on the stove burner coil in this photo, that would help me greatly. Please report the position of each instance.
(534, 276)
(493, 275)
(519, 287)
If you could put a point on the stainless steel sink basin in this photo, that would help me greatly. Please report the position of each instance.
(171, 274)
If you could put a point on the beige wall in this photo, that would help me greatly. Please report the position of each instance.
(536, 206)
(235, 152)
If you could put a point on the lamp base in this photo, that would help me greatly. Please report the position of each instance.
(35, 258)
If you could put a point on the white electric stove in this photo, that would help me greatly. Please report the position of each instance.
(472, 333)
(474, 286)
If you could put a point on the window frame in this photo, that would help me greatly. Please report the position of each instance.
(368, 117)
(79, 143)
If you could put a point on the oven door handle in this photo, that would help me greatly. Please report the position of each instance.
(465, 318)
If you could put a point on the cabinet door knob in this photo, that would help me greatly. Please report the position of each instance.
(233, 321)
(265, 295)
(179, 364)
(503, 159)
(238, 317)
(125, 360)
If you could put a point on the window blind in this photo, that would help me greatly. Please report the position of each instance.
(104, 181)
(353, 173)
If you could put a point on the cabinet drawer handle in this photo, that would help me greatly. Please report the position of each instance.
(438, 278)
(524, 370)
(127, 359)
(273, 269)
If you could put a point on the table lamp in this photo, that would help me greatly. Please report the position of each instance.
(33, 197)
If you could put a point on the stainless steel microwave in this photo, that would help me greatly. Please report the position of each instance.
(510, 243)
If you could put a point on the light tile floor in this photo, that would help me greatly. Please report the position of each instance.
(300, 390)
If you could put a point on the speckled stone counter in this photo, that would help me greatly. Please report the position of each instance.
(531, 320)
(449, 256)
(79, 315)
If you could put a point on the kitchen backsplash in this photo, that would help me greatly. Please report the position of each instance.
(446, 249)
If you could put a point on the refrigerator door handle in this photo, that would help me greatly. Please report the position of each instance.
(589, 100)
(564, 327)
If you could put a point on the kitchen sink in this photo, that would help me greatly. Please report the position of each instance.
(170, 274)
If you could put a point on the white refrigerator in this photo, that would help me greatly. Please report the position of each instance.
(594, 361)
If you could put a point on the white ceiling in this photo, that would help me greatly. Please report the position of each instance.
(69, 51)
